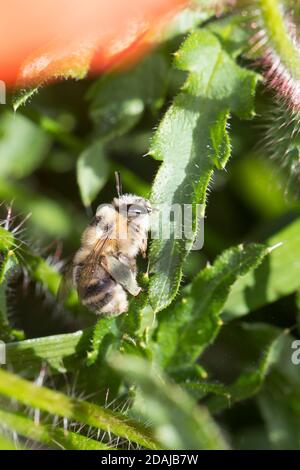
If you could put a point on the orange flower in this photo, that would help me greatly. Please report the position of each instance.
(51, 38)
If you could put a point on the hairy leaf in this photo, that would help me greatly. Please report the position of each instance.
(60, 352)
(23, 96)
(192, 141)
(233, 32)
(189, 326)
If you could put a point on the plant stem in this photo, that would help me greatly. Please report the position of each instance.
(59, 404)
(54, 437)
(7, 444)
(279, 36)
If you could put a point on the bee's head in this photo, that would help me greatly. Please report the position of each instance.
(133, 207)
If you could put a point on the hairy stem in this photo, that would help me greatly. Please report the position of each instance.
(279, 36)
(53, 437)
(59, 404)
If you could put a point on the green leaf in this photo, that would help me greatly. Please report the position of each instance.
(278, 275)
(103, 327)
(279, 401)
(260, 356)
(233, 32)
(55, 128)
(23, 96)
(281, 420)
(192, 141)
(118, 100)
(60, 352)
(92, 172)
(176, 420)
(22, 146)
(250, 381)
(186, 21)
(188, 327)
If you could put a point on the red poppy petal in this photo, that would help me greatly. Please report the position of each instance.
(50, 38)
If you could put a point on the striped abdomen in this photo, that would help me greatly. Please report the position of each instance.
(101, 293)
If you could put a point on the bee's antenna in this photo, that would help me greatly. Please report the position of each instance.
(118, 183)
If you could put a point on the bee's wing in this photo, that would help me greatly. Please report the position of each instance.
(93, 260)
(121, 273)
(87, 271)
(66, 283)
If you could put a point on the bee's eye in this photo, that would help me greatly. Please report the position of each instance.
(134, 211)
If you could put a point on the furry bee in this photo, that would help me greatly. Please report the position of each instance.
(104, 268)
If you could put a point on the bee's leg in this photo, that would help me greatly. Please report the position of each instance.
(130, 262)
(143, 247)
(122, 273)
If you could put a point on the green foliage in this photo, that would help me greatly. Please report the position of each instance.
(279, 400)
(56, 438)
(250, 381)
(281, 141)
(119, 100)
(92, 172)
(78, 410)
(23, 145)
(180, 369)
(189, 427)
(193, 322)
(6, 444)
(59, 352)
(22, 97)
(215, 87)
(276, 277)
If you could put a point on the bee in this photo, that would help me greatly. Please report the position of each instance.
(104, 268)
